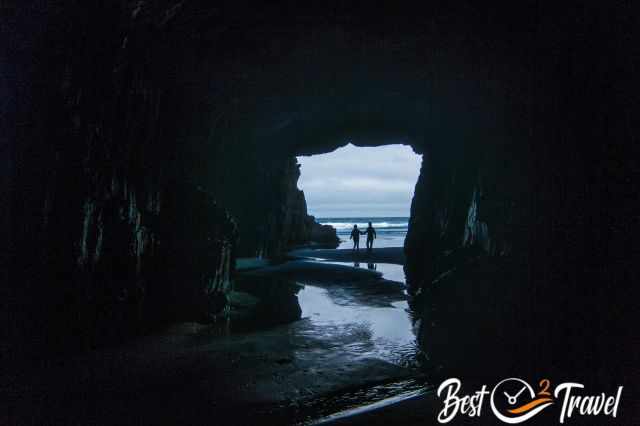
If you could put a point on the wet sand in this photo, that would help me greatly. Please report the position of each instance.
(317, 272)
(354, 333)
(394, 255)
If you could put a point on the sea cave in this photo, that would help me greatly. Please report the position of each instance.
(161, 263)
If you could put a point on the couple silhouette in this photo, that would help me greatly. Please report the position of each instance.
(355, 236)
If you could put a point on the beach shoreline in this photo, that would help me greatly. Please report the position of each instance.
(393, 255)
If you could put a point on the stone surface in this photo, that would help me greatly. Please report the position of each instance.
(325, 235)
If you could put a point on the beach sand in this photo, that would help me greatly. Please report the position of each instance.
(393, 255)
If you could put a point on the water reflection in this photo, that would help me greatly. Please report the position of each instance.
(356, 264)
(328, 324)
(390, 271)
(386, 323)
(371, 316)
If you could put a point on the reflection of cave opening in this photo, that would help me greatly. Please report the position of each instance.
(357, 185)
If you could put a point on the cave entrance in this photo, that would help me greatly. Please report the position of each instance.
(357, 185)
(360, 296)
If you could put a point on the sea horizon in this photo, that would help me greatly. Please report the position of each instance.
(391, 231)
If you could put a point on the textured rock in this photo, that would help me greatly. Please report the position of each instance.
(106, 237)
(300, 227)
(325, 235)
(303, 228)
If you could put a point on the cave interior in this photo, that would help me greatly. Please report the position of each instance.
(153, 143)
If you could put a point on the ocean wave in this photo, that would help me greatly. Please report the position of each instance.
(349, 225)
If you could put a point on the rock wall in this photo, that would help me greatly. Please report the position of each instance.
(515, 240)
(299, 227)
(115, 222)
(107, 237)
(261, 193)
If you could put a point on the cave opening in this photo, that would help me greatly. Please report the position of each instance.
(360, 185)
(325, 281)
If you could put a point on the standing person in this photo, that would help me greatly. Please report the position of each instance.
(371, 235)
(355, 236)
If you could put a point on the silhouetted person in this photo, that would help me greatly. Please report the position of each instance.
(372, 266)
(371, 235)
(355, 236)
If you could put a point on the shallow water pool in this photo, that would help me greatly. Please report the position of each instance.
(386, 327)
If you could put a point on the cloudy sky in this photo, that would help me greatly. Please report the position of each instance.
(354, 182)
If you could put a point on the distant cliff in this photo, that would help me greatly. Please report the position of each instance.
(304, 229)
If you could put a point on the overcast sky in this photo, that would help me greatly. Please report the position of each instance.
(354, 182)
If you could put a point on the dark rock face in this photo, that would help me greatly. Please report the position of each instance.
(276, 301)
(105, 236)
(271, 211)
(324, 235)
(523, 217)
(198, 258)
(298, 226)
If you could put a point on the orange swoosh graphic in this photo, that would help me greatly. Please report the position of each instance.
(530, 405)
